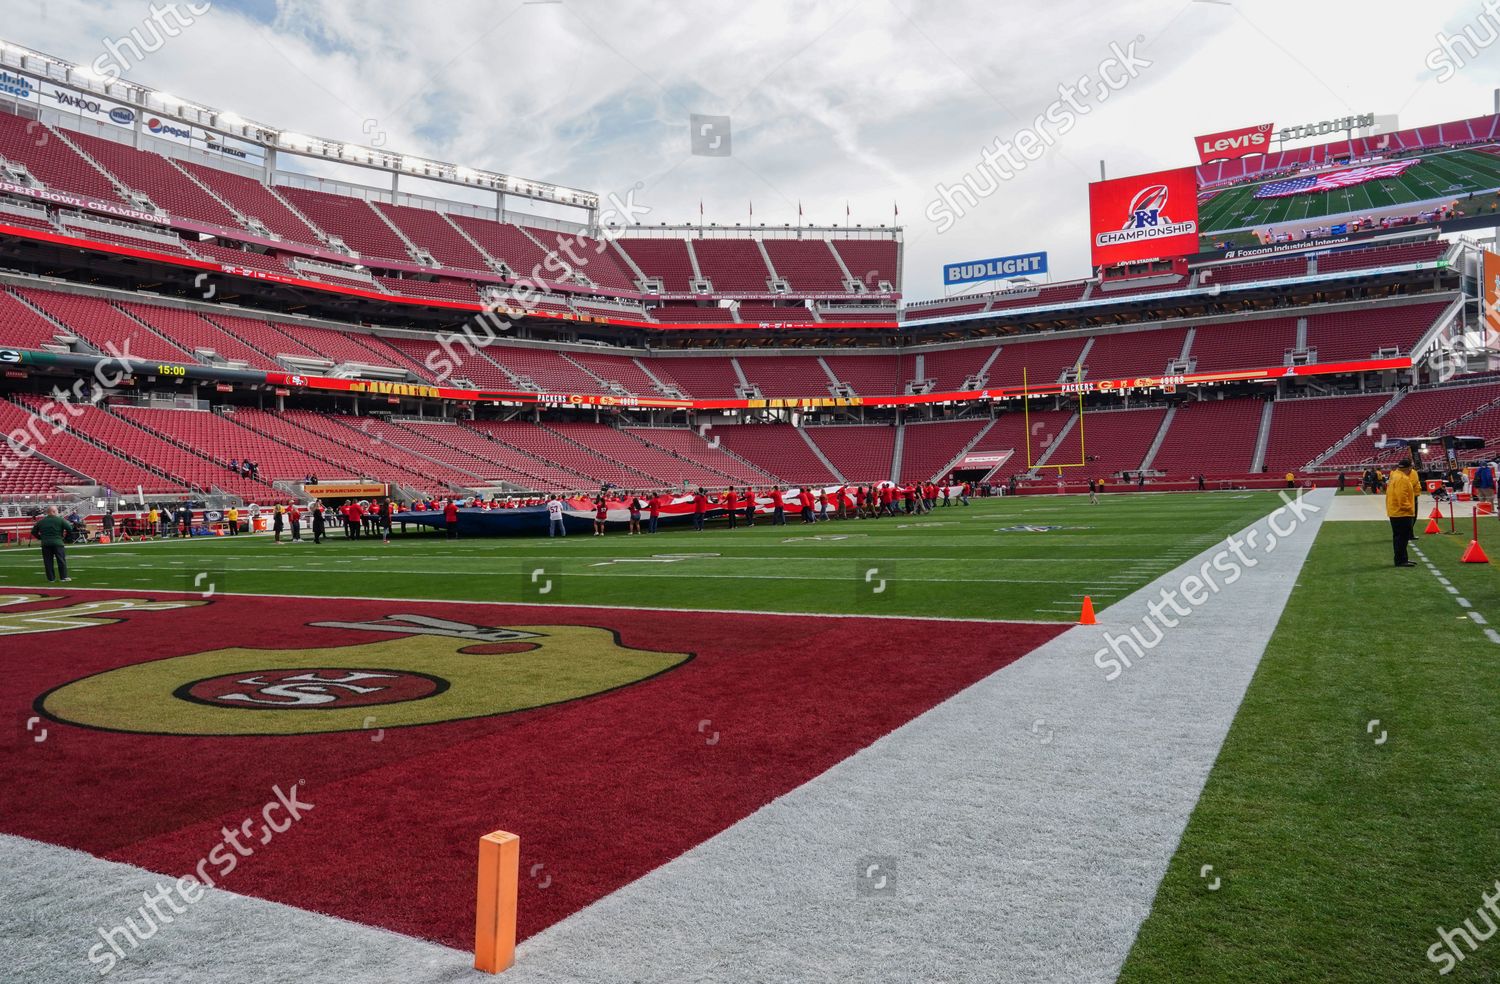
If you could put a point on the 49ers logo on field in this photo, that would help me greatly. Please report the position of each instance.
(427, 670)
(321, 689)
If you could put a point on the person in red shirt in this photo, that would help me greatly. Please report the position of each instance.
(353, 520)
(601, 513)
(859, 502)
(888, 500)
(655, 513)
(749, 506)
(732, 503)
(806, 498)
(700, 507)
(450, 519)
(778, 507)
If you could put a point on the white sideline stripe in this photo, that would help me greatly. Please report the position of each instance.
(524, 604)
(56, 900)
(1018, 859)
(1479, 619)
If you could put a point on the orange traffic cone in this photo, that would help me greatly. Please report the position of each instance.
(1474, 554)
(1087, 617)
(1432, 527)
(1436, 513)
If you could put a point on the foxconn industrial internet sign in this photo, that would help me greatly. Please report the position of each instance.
(995, 268)
(1144, 217)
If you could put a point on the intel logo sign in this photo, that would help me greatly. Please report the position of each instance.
(122, 116)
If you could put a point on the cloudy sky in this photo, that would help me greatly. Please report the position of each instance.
(873, 103)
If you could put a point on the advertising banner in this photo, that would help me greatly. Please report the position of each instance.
(1144, 217)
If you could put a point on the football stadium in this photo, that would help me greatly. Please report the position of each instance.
(411, 571)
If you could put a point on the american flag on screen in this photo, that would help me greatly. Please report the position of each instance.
(1335, 179)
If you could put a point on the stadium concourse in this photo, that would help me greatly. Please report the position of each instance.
(1054, 641)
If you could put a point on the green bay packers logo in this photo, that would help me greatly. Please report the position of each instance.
(435, 670)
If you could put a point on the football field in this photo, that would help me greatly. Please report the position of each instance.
(1027, 559)
(683, 737)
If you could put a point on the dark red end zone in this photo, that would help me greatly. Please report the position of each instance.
(601, 788)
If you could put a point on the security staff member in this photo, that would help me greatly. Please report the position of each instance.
(1401, 507)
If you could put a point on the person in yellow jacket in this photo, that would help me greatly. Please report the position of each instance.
(153, 522)
(1401, 492)
(233, 516)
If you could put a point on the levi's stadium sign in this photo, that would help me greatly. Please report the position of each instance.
(1144, 217)
(995, 268)
(1324, 128)
(1228, 145)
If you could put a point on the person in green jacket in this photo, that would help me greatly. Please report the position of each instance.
(49, 530)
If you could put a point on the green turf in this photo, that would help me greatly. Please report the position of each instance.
(1454, 174)
(1340, 857)
(951, 562)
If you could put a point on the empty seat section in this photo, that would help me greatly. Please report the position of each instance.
(550, 445)
(351, 219)
(807, 264)
(50, 160)
(928, 449)
(861, 452)
(156, 177)
(263, 336)
(1044, 361)
(688, 444)
(1249, 344)
(426, 439)
(1134, 353)
(486, 439)
(776, 449)
(337, 457)
(949, 368)
(545, 367)
(869, 260)
(432, 232)
(620, 369)
(106, 468)
(1213, 438)
(22, 327)
(1113, 440)
(663, 259)
(1351, 335)
(511, 246)
(102, 326)
(706, 377)
(251, 199)
(1303, 429)
(786, 375)
(339, 347)
(194, 333)
(733, 265)
(627, 449)
(594, 258)
(871, 375)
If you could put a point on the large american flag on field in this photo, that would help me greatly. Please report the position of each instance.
(1335, 179)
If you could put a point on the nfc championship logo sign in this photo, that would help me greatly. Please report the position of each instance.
(1147, 218)
(1144, 217)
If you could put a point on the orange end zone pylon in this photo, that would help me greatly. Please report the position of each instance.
(495, 914)
(1474, 553)
(1087, 615)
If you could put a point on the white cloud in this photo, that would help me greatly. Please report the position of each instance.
(861, 100)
